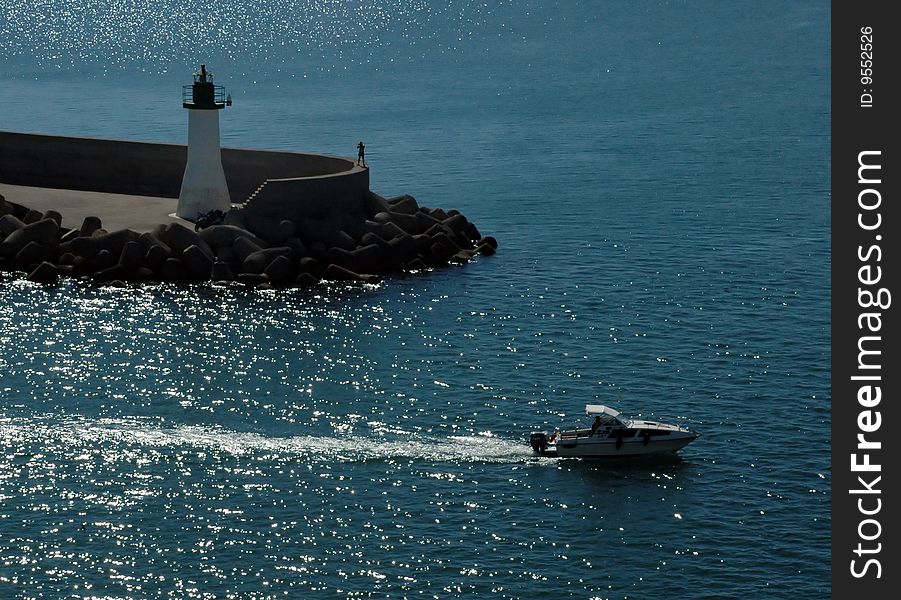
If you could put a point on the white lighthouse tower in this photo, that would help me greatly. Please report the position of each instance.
(203, 188)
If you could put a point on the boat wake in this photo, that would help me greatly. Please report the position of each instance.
(79, 435)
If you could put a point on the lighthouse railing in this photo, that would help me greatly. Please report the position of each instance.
(187, 94)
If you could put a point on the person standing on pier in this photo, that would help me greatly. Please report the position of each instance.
(361, 154)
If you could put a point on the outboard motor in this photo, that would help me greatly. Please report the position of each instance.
(538, 440)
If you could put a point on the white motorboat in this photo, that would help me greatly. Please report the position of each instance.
(612, 436)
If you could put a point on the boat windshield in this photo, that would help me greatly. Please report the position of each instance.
(608, 421)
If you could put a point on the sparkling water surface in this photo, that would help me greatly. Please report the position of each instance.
(657, 176)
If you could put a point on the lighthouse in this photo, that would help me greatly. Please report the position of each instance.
(203, 187)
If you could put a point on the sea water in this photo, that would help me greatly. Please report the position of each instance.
(657, 176)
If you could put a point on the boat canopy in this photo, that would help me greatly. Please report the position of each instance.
(599, 409)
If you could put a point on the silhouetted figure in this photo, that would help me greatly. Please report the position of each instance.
(361, 154)
(595, 425)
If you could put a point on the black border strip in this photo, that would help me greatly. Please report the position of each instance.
(866, 368)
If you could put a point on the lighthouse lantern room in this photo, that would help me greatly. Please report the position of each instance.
(203, 188)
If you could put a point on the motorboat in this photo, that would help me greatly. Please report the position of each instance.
(612, 435)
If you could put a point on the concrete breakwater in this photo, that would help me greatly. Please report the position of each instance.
(296, 219)
(153, 169)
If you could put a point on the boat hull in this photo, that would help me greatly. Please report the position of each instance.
(607, 448)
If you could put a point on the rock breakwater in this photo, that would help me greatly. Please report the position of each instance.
(391, 236)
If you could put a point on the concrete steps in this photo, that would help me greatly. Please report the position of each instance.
(256, 192)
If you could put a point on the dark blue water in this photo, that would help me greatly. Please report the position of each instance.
(657, 175)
